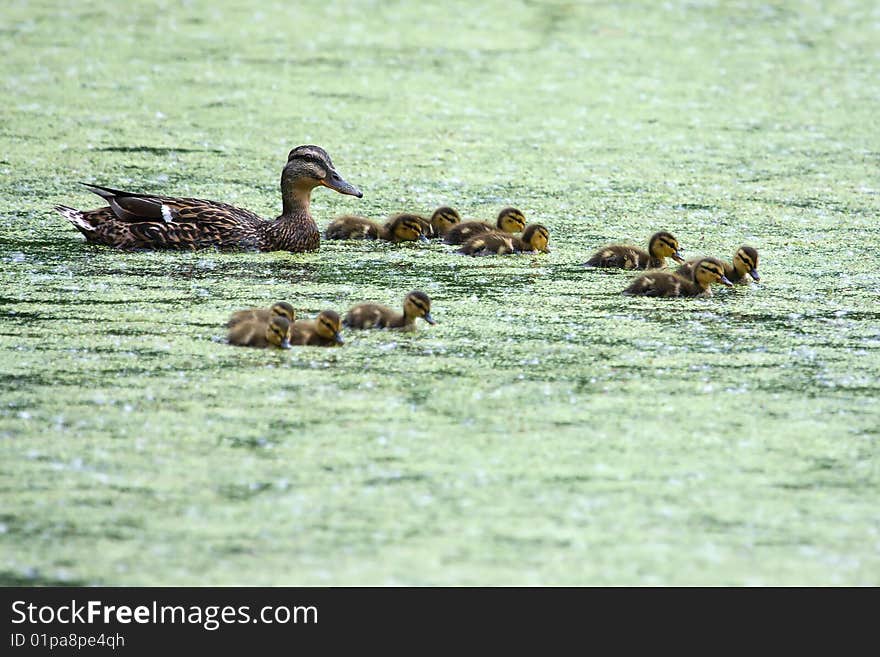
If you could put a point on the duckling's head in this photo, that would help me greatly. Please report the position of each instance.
(283, 309)
(418, 304)
(443, 219)
(408, 228)
(328, 324)
(536, 236)
(309, 167)
(511, 220)
(664, 245)
(746, 262)
(278, 332)
(708, 271)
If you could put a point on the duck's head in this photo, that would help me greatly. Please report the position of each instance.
(664, 245)
(278, 332)
(708, 271)
(746, 262)
(418, 304)
(511, 220)
(407, 228)
(537, 237)
(328, 324)
(283, 309)
(309, 167)
(443, 219)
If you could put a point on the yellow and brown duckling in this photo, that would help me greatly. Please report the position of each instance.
(745, 264)
(261, 334)
(442, 221)
(662, 245)
(280, 309)
(399, 228)
(373, 315)
(323, 331)
(533, 240)
(668, 284)
(510, 220)
(143, 221)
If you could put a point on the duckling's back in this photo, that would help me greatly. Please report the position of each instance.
(352, 227)
(461, 233)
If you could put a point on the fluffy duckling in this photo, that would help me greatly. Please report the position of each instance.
(662, 245)
(534, 240)
(323, 331)
(442, 221)
(352, 227)
(256, 333)
(510, 220)
(405, 228)
(373, 315)
(745, 263)
(399, 228)
(280, 308)
(669, 284)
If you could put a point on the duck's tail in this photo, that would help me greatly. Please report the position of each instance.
(77, 218)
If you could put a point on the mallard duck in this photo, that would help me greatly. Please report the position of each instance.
(510, 220)
(534, 240)
(669, 284)
(442, 221)
(399, 228)
(745, 263)
(144, 221)
(661, 246)
(256, 333)
(281, 309)
(323, 331)
(373, 315)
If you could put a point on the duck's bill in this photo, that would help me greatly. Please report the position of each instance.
(430, 319)
(725, 281)
(423, 238)
(754, 274)
(678, 257)
(285, 344)
(338, 339)
(337, 183)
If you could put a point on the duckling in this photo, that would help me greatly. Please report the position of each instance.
(253, 332)
(323, 331)
(662, 245)
(510, 220)
(534, 240)
(281, 309)
(373, 315)
(669, 284)
(745, 261)
(442, 220)
(405, 228)
(352, 227)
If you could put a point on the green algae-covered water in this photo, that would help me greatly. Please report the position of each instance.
(548, 430)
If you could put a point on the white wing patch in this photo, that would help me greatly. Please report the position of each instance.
(166, 214)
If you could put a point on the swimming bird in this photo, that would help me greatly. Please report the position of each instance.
(373, 315)
(745, 263)
(399, 228)
(323, 331)
(134, 221)
(257, 333)
(510, 220)
(534, 239)
(669, 284)
(661, 246)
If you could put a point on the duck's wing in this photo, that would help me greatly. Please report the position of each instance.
(136, 208)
